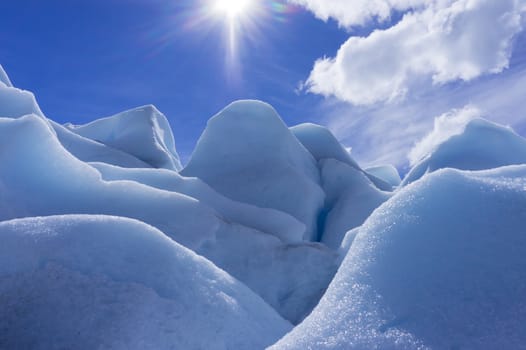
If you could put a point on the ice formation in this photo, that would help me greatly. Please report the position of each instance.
(105, 244)
(441, 265)
(248, 154)
(351, 198)
(482, 145)
(98, 282)
(4, 78)
(388, 173)
(143, 132)
(66, 185)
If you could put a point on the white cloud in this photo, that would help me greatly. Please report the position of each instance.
(386, 133)
(447, 125)
(350, 13)
(439, 42)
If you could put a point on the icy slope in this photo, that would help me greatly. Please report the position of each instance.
(248, 154)
(388, 173)
(38, 177)
(265, 220)
(351, 198)
(482, 145)
(289, 275)
(322, 144)
(4, 78)
(95, 282)
(14, 102)
(88, 150)
(142, 132)
(440, 265)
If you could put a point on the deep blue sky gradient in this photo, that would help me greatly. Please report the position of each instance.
(89, 59)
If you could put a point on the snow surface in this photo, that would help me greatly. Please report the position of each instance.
(4, 78)
(65, 185)
(441, 265)
(351, 198)
(143, 132)
(15, 103)
(482, 145)
(270, 221)
(322, 144)
(388, 173)
(248, 154)
(89, 150)
(96, 282)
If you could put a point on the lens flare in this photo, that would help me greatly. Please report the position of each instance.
(232, 8)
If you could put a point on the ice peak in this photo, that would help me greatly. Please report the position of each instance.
(4, 78)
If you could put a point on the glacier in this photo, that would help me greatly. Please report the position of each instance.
(440, 265)
(70, 282)
(270, 236)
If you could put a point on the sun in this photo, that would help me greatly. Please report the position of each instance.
(232, 8)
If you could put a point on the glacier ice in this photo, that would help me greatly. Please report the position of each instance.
(15, 103)
(4, 78)
(441, 265)
(248, 154)
(388, 173)
(482, 145)
(351, 198)
(66, 185)
(143, 132)
(275, 219)
(98, 282)
(322, 144)
(270, 221)
(89, 150)
(42, 178)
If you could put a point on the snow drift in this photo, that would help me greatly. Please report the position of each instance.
(4, 78)
(65, 185)
(38, 177)
(322, 144)
(14, 102)
(441, 265)
(482, 145)
(351, 198)
(95, 282)
(248, 154)
(142, 132)
(387, 173)
(272, 211)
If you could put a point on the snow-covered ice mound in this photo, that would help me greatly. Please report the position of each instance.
(322, 144)
(96, 282)
(248, 154)
(388, 173)
(482, 145)
(39, 177)
(290, 277)
(351, 198)
(4, 78)
(89, 150)
(440, 265)
(270, 221)
(143, 132)
(14, 102)
(270, 258)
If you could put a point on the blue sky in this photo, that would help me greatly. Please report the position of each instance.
(89, 59)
